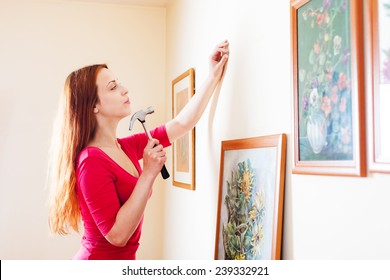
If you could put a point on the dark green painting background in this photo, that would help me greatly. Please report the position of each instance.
(321, 70)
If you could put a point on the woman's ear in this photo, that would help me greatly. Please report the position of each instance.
(95, 110)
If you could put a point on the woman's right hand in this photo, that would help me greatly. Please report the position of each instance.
(218, 60)
(154, 158)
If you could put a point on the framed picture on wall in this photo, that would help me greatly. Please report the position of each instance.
(250, 199)
(379, 99)
(328, 87)
(183, 88)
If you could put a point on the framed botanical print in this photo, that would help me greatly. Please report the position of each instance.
(250, 199)
(378, 16)
(328, 86)
(183, 88)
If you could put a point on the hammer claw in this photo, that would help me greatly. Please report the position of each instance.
(140, 116)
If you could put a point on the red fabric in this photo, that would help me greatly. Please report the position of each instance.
(102, 188)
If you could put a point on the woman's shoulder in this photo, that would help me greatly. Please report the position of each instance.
(90, 153)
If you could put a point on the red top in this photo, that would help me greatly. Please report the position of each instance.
(102, 188)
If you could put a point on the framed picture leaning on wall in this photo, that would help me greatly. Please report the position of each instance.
(328, 87)
(378, 16)
(183, 88)
(250, 200)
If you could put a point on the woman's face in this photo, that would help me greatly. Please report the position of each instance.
(113, 99)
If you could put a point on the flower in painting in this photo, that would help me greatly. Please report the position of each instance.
(239, 257)
(260, 201)
(326, 106)
(314, 97)
(314, 83)
(257, 238)
(322, 18)
(342, 81)
(334, 94)
(247, 183)
(329, 74)
(316, 48)
(326, 37)
(337, 44)
(305, 15)
(345, 57)
(253, 214)
(258, 204)
(305, 103)
(326, 4)
(344, 5)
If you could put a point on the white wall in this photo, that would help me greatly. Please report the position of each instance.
(325, 217)
(41, 42)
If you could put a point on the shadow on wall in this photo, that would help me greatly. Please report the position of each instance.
(7, 106)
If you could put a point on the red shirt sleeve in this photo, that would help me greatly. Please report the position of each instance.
(96, 185)
(137, 142)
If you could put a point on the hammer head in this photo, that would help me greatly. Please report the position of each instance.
(140, 115)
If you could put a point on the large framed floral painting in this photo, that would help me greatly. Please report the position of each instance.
(250, 203)
(328, 85)
(379, 100)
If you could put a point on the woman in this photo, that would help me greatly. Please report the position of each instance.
(97, 176)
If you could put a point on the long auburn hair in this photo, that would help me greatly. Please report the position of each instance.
(74, 127)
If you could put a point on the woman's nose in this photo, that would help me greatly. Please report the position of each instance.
(124, 90)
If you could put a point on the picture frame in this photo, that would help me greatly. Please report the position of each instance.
(183, 88)
(250, 198)
(328, 87)
(378, 15)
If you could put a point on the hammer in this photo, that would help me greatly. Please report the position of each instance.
(140, 115)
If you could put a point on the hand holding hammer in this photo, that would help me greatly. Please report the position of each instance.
(140, 116)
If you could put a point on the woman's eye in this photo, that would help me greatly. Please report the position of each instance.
(114, 87)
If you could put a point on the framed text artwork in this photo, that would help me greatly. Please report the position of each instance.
(379, 25)
(183, 88)
(250, 200)
(328, 87)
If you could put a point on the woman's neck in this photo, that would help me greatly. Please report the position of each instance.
(105, 136)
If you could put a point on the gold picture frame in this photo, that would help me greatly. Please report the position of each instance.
(328, 87)
(183, 175)
(250, 198)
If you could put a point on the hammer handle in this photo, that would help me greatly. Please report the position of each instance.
(164, 171)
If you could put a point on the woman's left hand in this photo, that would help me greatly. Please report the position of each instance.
(193, 110)
(218, 59)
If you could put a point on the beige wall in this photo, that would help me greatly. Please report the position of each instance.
(325, 217)
(41, 42)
